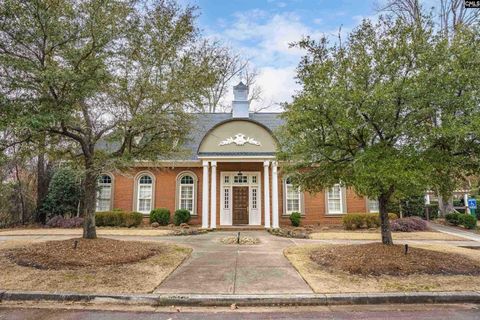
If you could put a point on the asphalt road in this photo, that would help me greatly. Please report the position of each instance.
(457, 312)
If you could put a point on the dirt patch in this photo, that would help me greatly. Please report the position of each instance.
(242, 240)
(78, 253)
(375, 259)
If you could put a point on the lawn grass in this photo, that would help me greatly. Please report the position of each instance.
(143, 276)
(79, 231)
(375, 235)
(323, 281)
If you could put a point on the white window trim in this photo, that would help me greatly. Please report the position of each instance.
(136, 199)
(111, 190)
(179, 190)
(368, 206)
(286, 212)
(342, 201)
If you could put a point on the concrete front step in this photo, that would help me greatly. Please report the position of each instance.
(240, 228)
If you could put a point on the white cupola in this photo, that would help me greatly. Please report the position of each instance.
(240, 103)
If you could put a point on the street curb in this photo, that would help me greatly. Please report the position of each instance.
(247, 299)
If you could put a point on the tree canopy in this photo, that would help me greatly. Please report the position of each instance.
(366, 115)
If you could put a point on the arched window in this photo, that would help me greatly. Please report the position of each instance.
(144, 194)
(104, 193)
(292, 197)
(186, 192)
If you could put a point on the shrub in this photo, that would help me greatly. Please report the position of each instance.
(181, 216)
(453, 218)
(353, 221)
(392, 216)
(132, 219)
(118, 218)
(160, 215)
(295, 218)
(61, 222)
(408, 224)
(433, 211)
(372, 220)
(468, 221)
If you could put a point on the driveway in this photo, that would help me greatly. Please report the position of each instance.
(235, 269)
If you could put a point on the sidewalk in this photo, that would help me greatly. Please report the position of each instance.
(454, 231)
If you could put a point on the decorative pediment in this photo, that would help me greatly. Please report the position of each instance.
(239, 139)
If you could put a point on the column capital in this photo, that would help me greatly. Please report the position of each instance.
(213, 163)
(205, 163)
(266, 163)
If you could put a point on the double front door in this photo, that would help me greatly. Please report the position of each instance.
(240, 205)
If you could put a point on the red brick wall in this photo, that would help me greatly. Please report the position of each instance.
(165, 189)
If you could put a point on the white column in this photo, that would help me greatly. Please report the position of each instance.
(205, 196)
(274, 195)
(465, 200)
(213, 196)
(427, 198)
(266, 194)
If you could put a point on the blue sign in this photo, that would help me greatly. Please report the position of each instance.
(472, 203)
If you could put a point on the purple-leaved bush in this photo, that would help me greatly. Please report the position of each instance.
(408, 224)
(61, 222)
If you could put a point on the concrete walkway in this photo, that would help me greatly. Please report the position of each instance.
(454, 231)
(235, 269)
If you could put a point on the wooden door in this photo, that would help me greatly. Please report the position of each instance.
(240, 205)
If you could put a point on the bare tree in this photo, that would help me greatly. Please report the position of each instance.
(227, 68)
(448, 14)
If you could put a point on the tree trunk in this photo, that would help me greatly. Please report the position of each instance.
(42, 182)
(90, 197)
(384, 220)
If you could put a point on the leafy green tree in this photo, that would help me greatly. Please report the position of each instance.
(359, 120)
(64, 193)
(105, 80)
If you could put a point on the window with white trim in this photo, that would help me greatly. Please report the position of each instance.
(144, 194)
(373, 206)
(226, 198)
(254, 198)
(187, 193)
(334, 200)
(104, 193)
(292, 197)
(240, 179)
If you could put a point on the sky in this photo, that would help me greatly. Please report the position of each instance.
(261, 31)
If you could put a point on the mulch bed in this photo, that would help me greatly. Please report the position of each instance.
(243, 240)
(376, 259)
(88, 253)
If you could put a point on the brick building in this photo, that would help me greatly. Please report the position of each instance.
(228, 177)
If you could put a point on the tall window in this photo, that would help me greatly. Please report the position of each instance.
(292, 197)
(145, 190)
(373, 206)
(104, 193)
(187, 193)
(334, 199)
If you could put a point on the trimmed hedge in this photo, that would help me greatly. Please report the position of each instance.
(181, 216)
(453, 218)
(354, 221)
(409, 224)
(118, 218)
(161, 216)
(295, 219)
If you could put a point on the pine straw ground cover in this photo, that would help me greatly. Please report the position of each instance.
(372, 268)
(243, 240)
(100, 265)
(376, 259)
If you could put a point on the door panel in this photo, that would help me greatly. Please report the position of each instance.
(240, 205)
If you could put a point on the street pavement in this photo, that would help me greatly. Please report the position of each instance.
(405, 312)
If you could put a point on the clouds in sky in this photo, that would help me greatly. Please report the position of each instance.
(264, 35)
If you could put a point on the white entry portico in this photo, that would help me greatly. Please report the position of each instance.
(222, 186)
